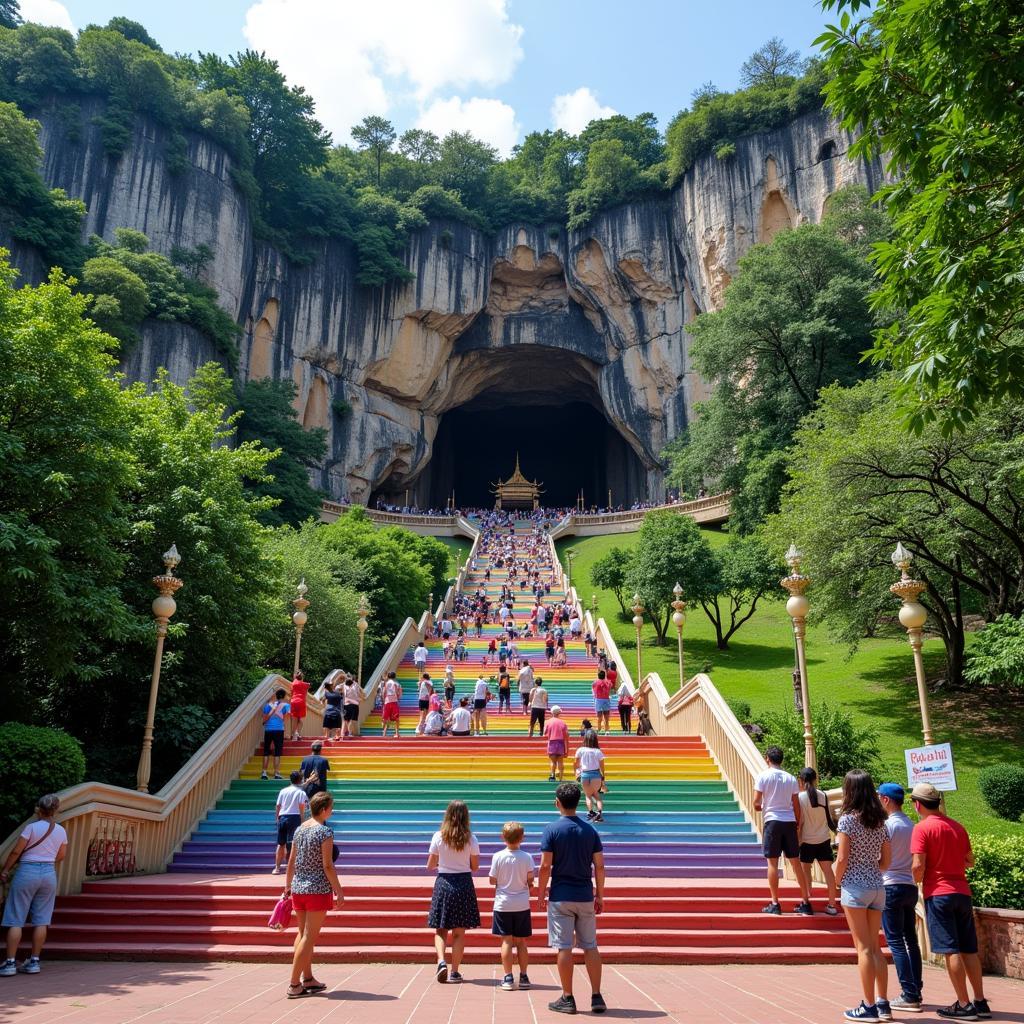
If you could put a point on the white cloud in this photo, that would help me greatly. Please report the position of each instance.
(363, 58)
(46, 12)
(573, 111)
(491, 121)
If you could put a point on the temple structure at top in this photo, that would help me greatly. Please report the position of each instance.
(517, 491)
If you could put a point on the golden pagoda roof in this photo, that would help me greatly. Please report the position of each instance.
(518, 482)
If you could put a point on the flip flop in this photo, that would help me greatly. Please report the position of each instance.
(312, 985)
(296, 992)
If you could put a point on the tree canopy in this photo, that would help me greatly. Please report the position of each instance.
(936, 89)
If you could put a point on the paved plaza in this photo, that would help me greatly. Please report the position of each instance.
(110, 992)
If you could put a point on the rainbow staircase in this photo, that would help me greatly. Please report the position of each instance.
(684, 866)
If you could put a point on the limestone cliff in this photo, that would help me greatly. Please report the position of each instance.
(531, 315)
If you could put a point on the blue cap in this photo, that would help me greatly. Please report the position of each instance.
(893, 790)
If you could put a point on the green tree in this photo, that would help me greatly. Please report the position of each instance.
(769, 63)
(929, 87)
(671, 549)
(10, 14)
(133, 30)
(463, 164)
(747, 573)
(377, 136)
(64, 467)
(119, 297)
(269, 417)
(611, 572)
(419, 145)
(611, 176)
(796, 319)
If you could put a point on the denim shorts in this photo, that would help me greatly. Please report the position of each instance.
(572, 923)
(602, 704)
(31, 896)
(590, 776)
(859, 897)
(950, 921)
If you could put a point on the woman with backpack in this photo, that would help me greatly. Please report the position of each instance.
(816, 828)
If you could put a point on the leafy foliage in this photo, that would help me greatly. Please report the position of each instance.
(769, 63)
(747, 573)
(840, 745)
(269, 417)
(997, 878)
(612, 573)
(935, 89)
(997, 656)
(34, 761)
(1002, 786)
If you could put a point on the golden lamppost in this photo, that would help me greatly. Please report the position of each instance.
(913, 616)
(164, 607)
(299, 617)
(796, 607)
(638, 621)
(362, 611)
(569, 556)
(593, 606)
(679, 620)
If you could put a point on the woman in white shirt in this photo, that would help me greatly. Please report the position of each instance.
(40, 848)
(462, 719)
(590, 772)
(455, 854)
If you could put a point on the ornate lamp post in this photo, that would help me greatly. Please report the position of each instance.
(593, 606)
(299, 617)
(362, 611)
(569, 556)
(679, 620)
(796, 607)
(164, 607)
(913, 616)
(638, 621)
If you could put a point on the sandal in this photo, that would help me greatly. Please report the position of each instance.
(312, 985)
(296, 991)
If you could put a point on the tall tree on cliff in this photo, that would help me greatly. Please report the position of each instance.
(375, 135)
(769, 63)
(10, 14)
(937, 89)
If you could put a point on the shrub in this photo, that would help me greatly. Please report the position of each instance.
(997, 877)
(34, 761)
(997, 655)
(841, 746)
(1002, 786)
(740, 708)
(341, 407)
(725, 151)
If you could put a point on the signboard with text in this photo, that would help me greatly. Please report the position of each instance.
(932, 764)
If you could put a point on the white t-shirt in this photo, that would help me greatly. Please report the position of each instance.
(813, 820)
(777, 789)
(590, 759)
(419, 656)
(511, 868)
(425, 689)
(391, 692)
(480, 689)
(432, 726)
(461, 719)
(292, 800)
(453, 862)
(526, 679)
(46, 852)
(539, 698)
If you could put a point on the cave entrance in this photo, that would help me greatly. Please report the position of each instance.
(568, 448)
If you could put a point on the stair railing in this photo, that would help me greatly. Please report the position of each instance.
(162, 821)
(408, 636)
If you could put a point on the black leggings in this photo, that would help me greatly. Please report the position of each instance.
(505, 699)
(626, 716)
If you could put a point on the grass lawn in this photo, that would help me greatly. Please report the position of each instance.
(876, 684)
(458, 548)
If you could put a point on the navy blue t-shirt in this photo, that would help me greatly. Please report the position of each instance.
(572, 843)
(320, 765)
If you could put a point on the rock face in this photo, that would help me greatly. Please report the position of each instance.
(531, 316)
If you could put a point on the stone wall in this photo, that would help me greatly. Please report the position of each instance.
(1001, 937)
(595, 315)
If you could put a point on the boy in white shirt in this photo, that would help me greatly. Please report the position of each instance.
(511, 875)
(292, 804)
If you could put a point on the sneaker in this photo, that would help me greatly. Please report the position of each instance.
(508, 983)
(599, 816)
(31, 966)
(884, 1009)
(901, 1002)
(551, 778)
(563, 1004)
(276, 870)
(862, 1012)
(278, 777)
(597, 1003)
(832, 910)
(263, 776)
(804, 909)
(524, 981)
(442, 972)
(982, 1010)
(955, 1011)
(455, 978)
(8, 969)
(772, 908)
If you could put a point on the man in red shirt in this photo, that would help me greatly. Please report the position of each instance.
(602, 691)
(942, 854)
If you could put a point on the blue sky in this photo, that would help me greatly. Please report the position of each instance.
(498, 68)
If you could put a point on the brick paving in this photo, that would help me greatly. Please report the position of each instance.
(109, 992)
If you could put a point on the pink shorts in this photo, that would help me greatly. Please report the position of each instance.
(312, 901)
(391, 712)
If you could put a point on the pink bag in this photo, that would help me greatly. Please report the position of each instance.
(282, 914)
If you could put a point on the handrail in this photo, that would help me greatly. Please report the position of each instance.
(574, 521)
(411, 630)
(160, 822)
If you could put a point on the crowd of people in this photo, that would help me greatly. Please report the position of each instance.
(881, 858)
(552, 513)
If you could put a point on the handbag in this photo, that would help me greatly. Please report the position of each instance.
(281, 916)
